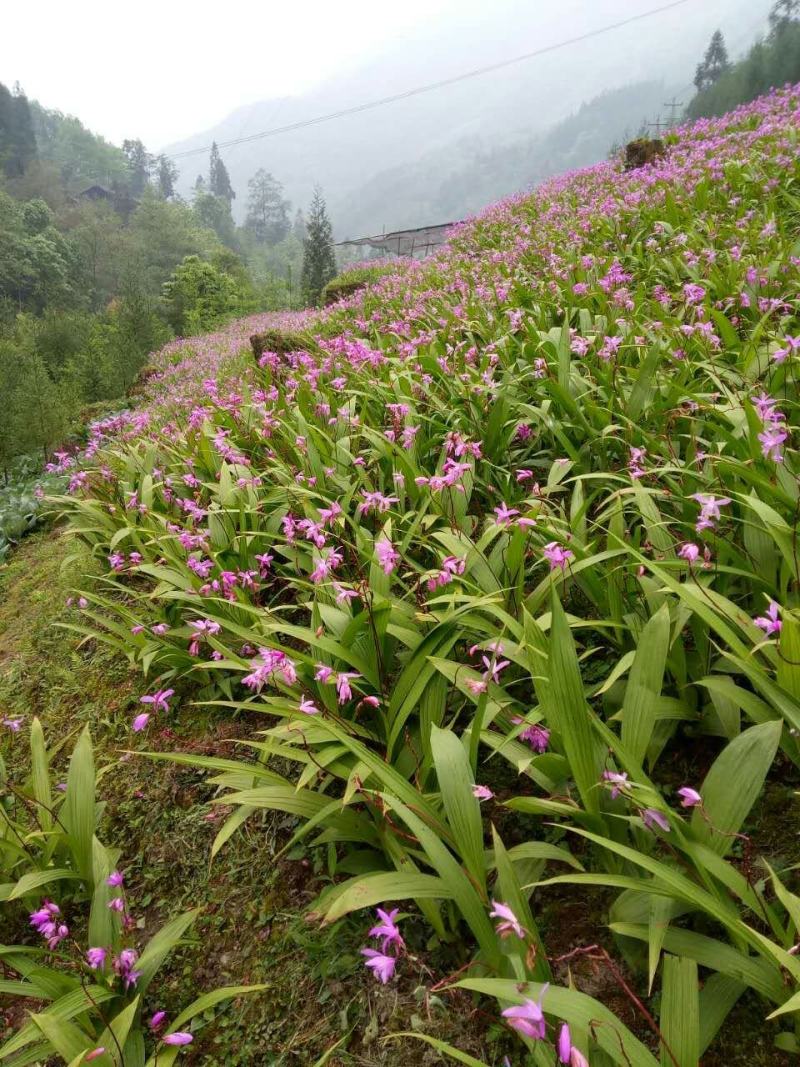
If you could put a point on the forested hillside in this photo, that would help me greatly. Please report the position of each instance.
(101, 263)
(773, 61)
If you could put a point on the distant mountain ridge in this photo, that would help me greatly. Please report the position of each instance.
(357, 156)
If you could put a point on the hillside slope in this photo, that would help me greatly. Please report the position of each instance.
(493, 567)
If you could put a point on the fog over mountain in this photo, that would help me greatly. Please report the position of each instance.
(448, 152)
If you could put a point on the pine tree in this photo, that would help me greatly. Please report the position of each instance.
(319, 260)
(783, 13)
(219, 183)
(715, 63)
(17, 139)
(299, 225)
(166, 176)
(267, 210)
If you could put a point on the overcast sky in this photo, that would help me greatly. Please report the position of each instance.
(162, 70)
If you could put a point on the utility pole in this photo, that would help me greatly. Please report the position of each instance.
(674, 105)
(658, 125)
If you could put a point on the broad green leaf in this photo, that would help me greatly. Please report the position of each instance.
(582, 1012)
(679, 1020)
(78, 809)
(461, 806)
(568, 711)
(644, 684)
(160, 945)
(370, 889)
(733, 784)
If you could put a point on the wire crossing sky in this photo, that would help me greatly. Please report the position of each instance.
(432, 86)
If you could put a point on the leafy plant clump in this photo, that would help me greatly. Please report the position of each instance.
(85, 974)
(507, 543)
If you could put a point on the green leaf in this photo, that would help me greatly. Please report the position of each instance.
(680, 1023)
(210, 1000)
(462, 808)
(367, 890)
(463, 892)
(732, 785)
(160, 945)
(440, 1046)
(583, 1013)
(28, 883)
(66, 1039)
(644, 684)
(78, 810)
(717, 998)
(569, 712)
(509, 891)
(116, 1033)
(71, 1004)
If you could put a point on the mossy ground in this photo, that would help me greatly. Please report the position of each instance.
(252, 927)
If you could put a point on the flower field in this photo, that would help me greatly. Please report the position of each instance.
(502, 568)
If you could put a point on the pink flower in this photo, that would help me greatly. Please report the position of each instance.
(564, 1044)
(690, 552)
(508, 924)
(690, 797)
(124, 966)
(528, 1018)
(772, 439)
(387, 929)
(180, 1037)
(504, 515)
(343, 690)
(96, 958)
(140, 722)
(652, 817)
(95, 1054)
(617, 781)
(116, 878)
(792, 345)
(387, 555)
(308, 707)
(482, 792)
(770, 623)
(382, 965)
(159, 699)
(709, 510)
(557, 556)
(157, 1019)
(538, 737)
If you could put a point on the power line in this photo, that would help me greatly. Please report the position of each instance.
(432, 86)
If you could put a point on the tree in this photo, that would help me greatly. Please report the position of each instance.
(166, 176)
(140, 165)
(17, 139)
(198, 296)
(299, 225)
(783, 13)
(715, 63)
(214, 213)
(267, 210)
(319, 260)
(219, 183)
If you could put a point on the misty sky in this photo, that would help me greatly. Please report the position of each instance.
(164, 69)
